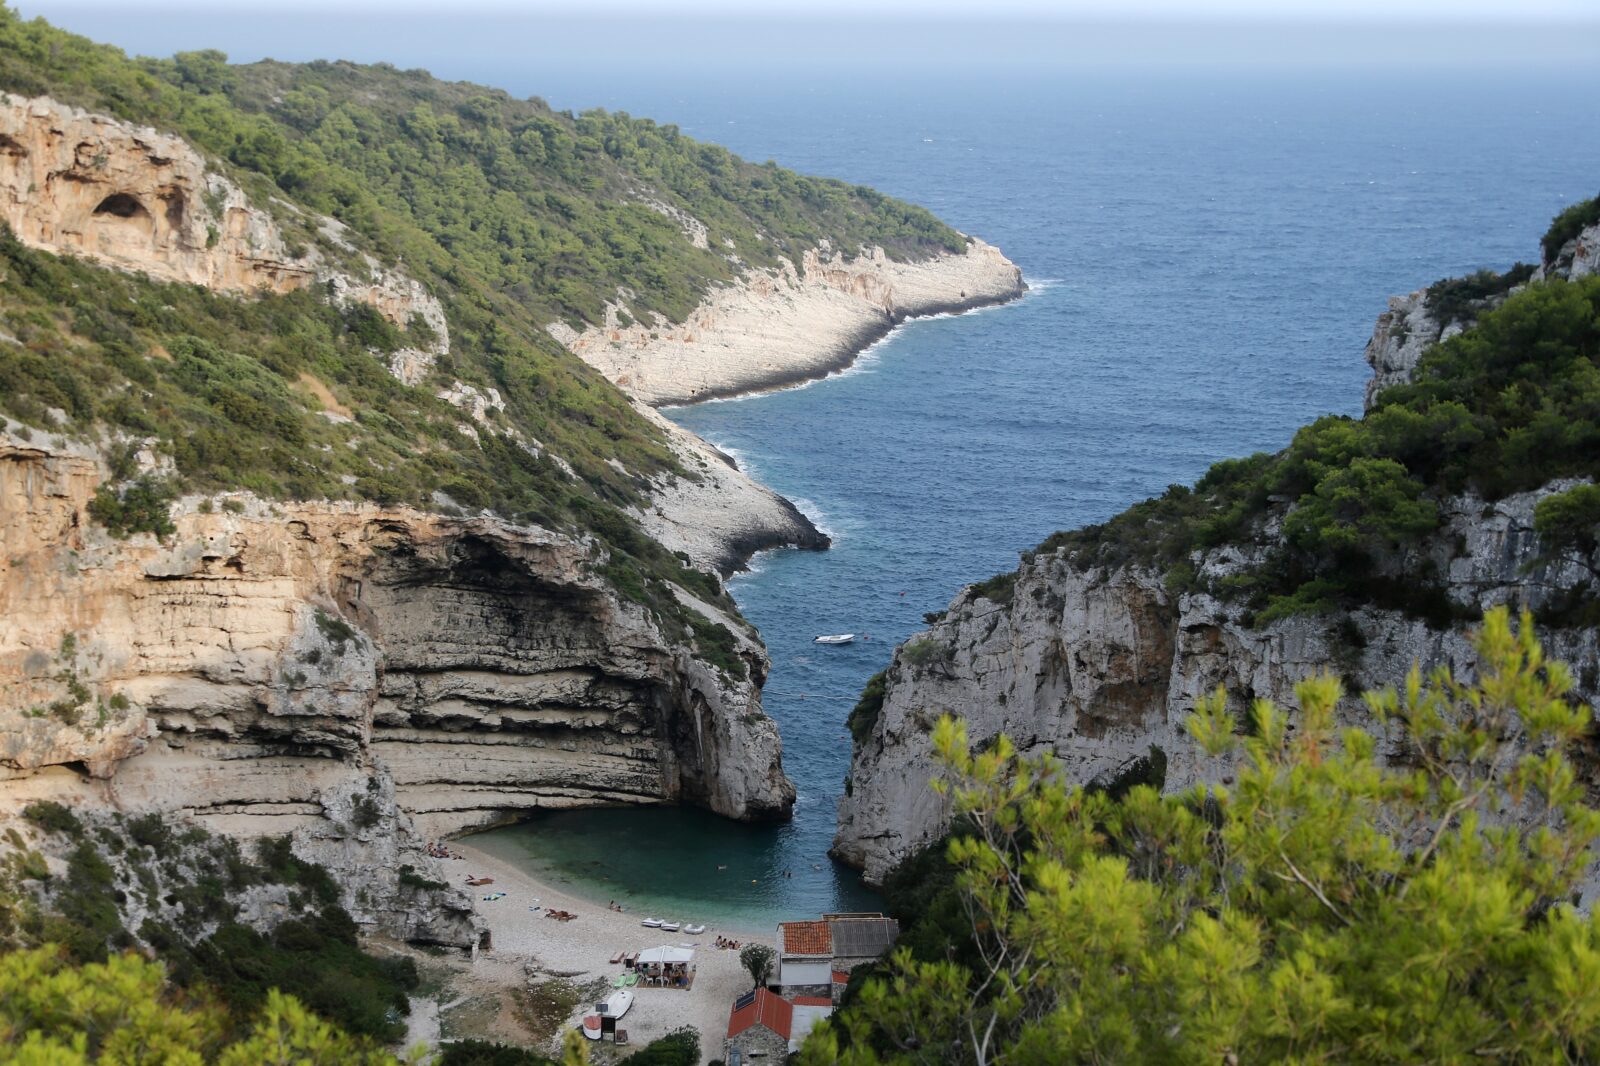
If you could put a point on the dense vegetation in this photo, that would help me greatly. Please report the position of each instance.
(1321, 908)
(203, 982)
(190, 885)
(1506, 406)
(512, 214)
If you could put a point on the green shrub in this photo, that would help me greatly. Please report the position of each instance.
(919, 651)
(864, 715)
(141, 506)
(53, 817)
(1568, 224)
(681, 1047)
(487, 1053)
(1456, 299)
(998, 589)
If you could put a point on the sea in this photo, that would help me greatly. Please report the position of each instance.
(1205, 259)
(1206, 244)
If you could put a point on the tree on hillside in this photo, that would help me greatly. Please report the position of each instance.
(53, 1013)
(1568, 524)
(1326, 906)
(758, 959)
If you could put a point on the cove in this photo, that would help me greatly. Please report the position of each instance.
(1206, 259)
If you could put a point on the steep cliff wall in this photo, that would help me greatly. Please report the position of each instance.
(360, 677)
(1096, 665)
(774, 328)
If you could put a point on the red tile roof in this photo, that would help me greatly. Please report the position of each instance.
(841, 977)
(764, 1008)
(813, 1001)
(805, 938)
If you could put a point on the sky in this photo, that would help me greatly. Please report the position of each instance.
(582, 42)
(1186, 10)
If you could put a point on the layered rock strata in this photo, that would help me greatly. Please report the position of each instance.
(778, 327)
(360, 677)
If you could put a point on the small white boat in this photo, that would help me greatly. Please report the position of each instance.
(835, 638)
(694, 930)
(651, 923)
(669, 927)
(613, 1007)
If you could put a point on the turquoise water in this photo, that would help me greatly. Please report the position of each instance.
(1207, 261)
(679, 863)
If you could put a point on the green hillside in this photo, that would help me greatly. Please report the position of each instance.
(514, 215)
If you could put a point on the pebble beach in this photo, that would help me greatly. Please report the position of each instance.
(580, 950)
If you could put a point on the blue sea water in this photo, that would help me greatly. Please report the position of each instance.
(1206, 256)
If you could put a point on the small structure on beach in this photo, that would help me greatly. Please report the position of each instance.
(665, 967)
(812, 955)
(763, 1027)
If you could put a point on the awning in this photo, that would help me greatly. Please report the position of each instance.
(665, 954)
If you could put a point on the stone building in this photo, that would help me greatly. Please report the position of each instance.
(763, 1027)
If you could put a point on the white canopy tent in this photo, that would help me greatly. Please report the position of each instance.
(666, 967)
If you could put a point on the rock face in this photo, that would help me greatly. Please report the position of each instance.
(1096, 666)
(778, 327)
(360, 677)
(720, 516)
(82, 184)
(1578, 258)
(1408, 328)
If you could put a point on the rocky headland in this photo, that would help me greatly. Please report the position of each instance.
(1098, 665)
(784, 326)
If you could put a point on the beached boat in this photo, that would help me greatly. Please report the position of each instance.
(651, 923)
(669, 927)
(609, 1009)
(694, 930)
(835, 638)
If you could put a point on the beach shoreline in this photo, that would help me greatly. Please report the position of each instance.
(579, 951)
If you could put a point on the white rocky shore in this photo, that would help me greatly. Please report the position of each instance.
(779, 327)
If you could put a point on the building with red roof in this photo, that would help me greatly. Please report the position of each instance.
(812, 954)
(763, 1027)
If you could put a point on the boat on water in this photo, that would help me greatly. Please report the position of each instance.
(609, 1009)
(669, 927)
(650, 923)
(835, 638)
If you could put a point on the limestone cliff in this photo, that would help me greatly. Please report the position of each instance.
(131, 197)
(1096, 664)
(360, 677)
(782, 326)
